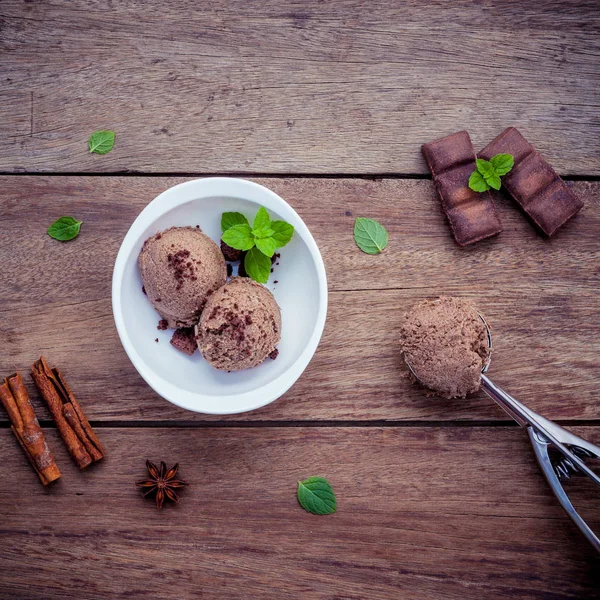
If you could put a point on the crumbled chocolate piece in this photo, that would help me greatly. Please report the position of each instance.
(158, 300)
(144, 290)
(276, 281)
(273, 355)
(248, 320)
(272, 270)
(156, 340)
(197, 226)
(182, 267)
(158, 235)
(163, 324)
(230, 254)
(184, 340)
(229, 270)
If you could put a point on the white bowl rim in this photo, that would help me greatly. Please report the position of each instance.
(206, 188)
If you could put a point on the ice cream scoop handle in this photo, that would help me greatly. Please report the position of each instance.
(526, 417)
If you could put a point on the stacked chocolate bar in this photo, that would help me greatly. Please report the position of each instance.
(532, 182)
(472, 215)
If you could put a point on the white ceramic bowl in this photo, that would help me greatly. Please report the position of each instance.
(301, 292)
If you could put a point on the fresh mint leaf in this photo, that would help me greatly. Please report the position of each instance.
(370, 236)
(64, 229)
(262, 219)
(477, 183)
(316, 496)
(229, 219)
(265, 232)
(257, 265)
(283, 232)
(102, 142)
(239, 237)
(494, 181)
(267, 246)
(502, 163)
(485, 168)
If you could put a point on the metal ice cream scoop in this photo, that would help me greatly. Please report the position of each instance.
(571, 450)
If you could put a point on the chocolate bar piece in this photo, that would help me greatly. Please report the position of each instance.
(472, 215)
(533, 183)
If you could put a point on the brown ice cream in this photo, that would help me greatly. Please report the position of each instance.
(445, 342)
(240, 325)
(180, 268)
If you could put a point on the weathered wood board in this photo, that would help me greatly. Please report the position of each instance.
(545, 313)
(423, 513)
(294, 87)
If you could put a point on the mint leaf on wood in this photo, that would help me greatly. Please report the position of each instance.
(282, 232)
(316, 496)
(267, 246)
(229, 219)
(239, 237)
(102, 142)
(262, 219)
(502, 163)
(257, 265)
(477, 183)
(370, 236)
(64, 229)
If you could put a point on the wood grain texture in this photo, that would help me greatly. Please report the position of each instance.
(540, 297)
(305, 86)
(423, 513)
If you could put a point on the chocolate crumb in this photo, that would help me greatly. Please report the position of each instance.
(197, 226)
(184, 340)
(158, 236)
(248, 320)
(276, 281)
(156, 340)
(163, 324)
(144, 290)
(272, 270)
(230, 254)
(158, 300)
(273, 355)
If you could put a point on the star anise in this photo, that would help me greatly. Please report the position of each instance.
(161, 482)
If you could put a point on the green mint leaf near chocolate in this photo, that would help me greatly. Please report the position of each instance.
(102, 142)
(316, 496)
(370, 236)
(267, 246)
(264, 232)
(257, 265)
(477, 183)
(229, 219)
(494, 181)
(261, 220)
(64, 229)
(239, 237)
(485, 167)
(282, 233)
(502, 163)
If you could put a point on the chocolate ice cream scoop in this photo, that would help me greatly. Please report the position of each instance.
(430, 329)
(240, 325)
(445, 343)
(180, 268)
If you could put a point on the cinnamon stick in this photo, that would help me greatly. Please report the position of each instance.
(27, 430)
(81, 441)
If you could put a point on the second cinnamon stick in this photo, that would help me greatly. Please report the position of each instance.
(48, 391)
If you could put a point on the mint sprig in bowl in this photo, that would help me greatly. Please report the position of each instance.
(300, 291)
(259, 240)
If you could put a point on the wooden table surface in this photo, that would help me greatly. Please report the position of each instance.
(326, 103)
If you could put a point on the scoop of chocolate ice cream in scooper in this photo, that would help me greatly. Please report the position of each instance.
(443, 342)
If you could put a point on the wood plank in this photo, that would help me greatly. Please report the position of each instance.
(305, 86)
(539, 296)
(424, 513)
